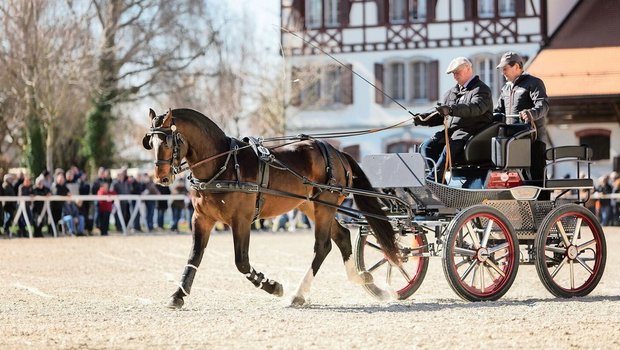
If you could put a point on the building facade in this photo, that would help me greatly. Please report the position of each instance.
(402, 47)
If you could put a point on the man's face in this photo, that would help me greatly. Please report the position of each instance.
(511, 72)
(462, 74)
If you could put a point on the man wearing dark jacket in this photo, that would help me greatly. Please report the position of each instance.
(526, 96)
(468, 108)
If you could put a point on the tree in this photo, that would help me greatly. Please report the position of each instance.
(142, 42)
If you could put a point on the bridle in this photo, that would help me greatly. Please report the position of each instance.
(172, 140)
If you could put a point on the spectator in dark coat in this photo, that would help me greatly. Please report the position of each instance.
(59, 188)
(10, 207)
(25, 189)
(162, 206)
(38, 215)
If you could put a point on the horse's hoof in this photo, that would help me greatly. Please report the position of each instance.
(175, 303)
(279, 290)
(298, 301)
(366, 277)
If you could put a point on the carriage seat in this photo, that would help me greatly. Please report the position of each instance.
(489, 148)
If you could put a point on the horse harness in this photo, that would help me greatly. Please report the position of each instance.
(266, 160)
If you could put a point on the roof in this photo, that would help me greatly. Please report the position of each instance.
(578, 71)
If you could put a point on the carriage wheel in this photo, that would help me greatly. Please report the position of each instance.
(388, 278)
(481, 254)
(570, 251)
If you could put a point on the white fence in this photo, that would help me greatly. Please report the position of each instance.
(23, 201)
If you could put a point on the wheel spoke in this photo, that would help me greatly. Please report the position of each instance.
(462, 262)
(577, 230)
(487, 233)
(585, 266)
(553, 249)
(562, 232)
(557, 269)
(589, 244)
(498, 247)
(481, 273)
(464, 252)
(468, 270)
(475, 274)
(377, 265)
(374, 246)
(388, 276)
(571, 264)
(473, 234)
(495, 267)
(404, 273)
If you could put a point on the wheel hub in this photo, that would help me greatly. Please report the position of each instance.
(482, 255)
(571, 252)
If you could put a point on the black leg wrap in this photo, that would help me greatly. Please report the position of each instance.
(187, 279)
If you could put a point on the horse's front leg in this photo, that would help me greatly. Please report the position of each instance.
(201, 230)
(241, 237)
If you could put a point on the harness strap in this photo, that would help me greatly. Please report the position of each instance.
(323, 147)
(263, 155)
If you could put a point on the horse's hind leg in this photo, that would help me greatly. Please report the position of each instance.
(342, 237)
(322, 247)
(241, 238)
(201, 232)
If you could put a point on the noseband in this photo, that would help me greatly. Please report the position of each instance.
(172, 140)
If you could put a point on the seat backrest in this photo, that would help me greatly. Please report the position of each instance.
(478, 148)
(582, 152)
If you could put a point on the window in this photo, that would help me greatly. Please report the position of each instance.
(317, 10)
(507, 8)
(598, 140)
(419, 80)
(398, 11)
(397, 80)
(485, 67)
(331, 85)
(321, 86)
(486, 8)
(331, 13)
(401, 146)
(314, 9)
(417, 12)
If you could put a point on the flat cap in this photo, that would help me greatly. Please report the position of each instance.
(509, 57)
(456, 63)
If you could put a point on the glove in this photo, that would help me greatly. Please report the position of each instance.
(418, 119)
(444, 110)
(499, 117)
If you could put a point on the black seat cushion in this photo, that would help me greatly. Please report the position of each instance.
(478, 148)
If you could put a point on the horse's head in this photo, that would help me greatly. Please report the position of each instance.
(169, 145)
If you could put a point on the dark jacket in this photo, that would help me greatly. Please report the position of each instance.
(526, 93)
(472, 110)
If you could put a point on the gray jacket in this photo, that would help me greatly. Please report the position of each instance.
(526, 93)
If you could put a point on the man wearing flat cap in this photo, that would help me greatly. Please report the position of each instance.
(525, 95)
(468, 108)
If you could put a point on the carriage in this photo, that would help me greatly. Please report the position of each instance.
(484, 223)
(483, 234)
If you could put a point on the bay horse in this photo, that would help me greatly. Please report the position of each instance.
(188, 134)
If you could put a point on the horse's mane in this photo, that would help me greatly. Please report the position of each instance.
(200, 120)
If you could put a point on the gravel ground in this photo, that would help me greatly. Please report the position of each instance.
(111, 292)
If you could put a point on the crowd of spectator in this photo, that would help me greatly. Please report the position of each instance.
(76, 217)
(607, 210)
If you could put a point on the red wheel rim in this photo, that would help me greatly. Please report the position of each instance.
(593, 243)
(486, 272)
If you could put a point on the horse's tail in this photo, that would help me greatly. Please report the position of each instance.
(382, 228)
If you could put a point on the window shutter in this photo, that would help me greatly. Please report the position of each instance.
(345, 8)
(299, 6)
(471, 9)
(346, 84)
(520, 8)
(379, 97)
(382, 12)
(295, 87)
(433, 81)
(430, 10)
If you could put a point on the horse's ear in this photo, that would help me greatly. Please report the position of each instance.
(151, 114)
(167, 119)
